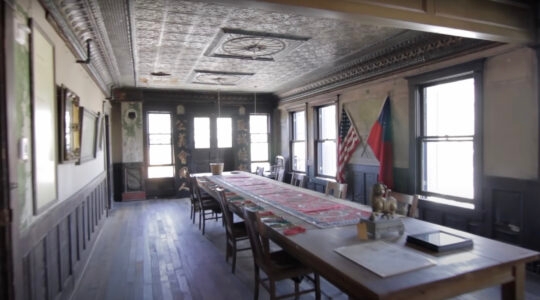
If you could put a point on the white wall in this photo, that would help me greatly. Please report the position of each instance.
(70, 177)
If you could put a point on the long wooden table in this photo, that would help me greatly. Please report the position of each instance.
(488, 263)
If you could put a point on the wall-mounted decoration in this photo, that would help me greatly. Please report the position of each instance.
(89, 122)
(43, 119)
(69, 125)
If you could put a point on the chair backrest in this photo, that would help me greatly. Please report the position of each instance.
(280, 161)
(338, 190)
(257, 238)
(192, 193)
(298, 179)
(227, 214)
(260, 171)
(280, 174)
(196, 190)
(406, 204)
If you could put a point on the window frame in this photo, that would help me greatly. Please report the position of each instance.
(318, 141)
(148, 144)
(293, 140)
(416, 112)
(268, 142)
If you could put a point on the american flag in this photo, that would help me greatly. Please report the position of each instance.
(348, 141)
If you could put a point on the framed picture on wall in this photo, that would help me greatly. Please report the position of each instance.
(44, 140)
(69, 125)
(89, 122)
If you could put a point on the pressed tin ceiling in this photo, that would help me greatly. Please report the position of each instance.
(201, 45)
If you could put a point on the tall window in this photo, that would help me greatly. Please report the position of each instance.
(224, 132)
(326, 141)
(447, 144)
(298, 141)
(259, 135)
(160, 150)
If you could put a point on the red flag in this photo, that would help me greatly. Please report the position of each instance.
(347, 143)
(380, 142)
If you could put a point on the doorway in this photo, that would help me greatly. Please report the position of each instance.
(212, 142)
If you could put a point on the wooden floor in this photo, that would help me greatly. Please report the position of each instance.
(151, 250)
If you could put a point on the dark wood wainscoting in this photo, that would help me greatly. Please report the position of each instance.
(57, 246)
(509, 212)
(360, 180)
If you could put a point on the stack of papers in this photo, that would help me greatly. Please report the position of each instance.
(385, 259)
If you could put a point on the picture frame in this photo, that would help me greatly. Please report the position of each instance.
(43, 112)
(69, 125)
(89, 122)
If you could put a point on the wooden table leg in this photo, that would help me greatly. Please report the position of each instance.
(516, 288)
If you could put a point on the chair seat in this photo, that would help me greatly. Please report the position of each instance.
(283, 262)
(239, 229)
(210, 203)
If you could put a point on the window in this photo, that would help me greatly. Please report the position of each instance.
(326, 141)
(298, 141)
(160, 155)
(202, 127)
(447, 143)
(259, 135)
(224, 132)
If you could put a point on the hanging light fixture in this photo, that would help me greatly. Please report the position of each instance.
(255, 100)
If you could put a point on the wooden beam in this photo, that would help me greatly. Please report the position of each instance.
(495, 20)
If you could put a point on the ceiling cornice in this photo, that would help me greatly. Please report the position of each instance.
(412, 51)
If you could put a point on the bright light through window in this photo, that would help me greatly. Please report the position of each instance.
(298, 142)
(258, 131)
(224, 132)
(201, 128)
(448, 141)
(160, 160)
(326, 142)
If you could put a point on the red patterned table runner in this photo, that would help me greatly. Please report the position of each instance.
(306, 205)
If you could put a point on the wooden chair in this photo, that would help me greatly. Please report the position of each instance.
(407, 205)
(209, 207)
(280, 174)
(298, 179)
(277, 265)
(338, 190)
(235, 232)
(194, 200)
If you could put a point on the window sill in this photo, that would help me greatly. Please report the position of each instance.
(448, 202)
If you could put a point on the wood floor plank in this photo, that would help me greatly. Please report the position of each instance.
(151, 250)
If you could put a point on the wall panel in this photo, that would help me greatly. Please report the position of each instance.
(57, 246)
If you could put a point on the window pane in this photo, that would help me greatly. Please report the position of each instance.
(327, 158)
(160, 172)
(258, 123)
(224, 132)
(160, 139)
(259, 138)
(299, 126)
(449, 108)
(327, 122)
(159, 154)
(448, 168)
(299, 156)
(201, 126)
(159, 123)
(259, 152)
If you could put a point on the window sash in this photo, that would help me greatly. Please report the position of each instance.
(159, 145)
(259, 141)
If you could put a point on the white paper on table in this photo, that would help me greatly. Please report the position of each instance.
(385, 259)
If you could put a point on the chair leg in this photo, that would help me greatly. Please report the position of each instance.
(296, 288)
(201, 212)
(233, 256)
(272, 285)
(317, 287)
(257, 282)
(203, 223)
